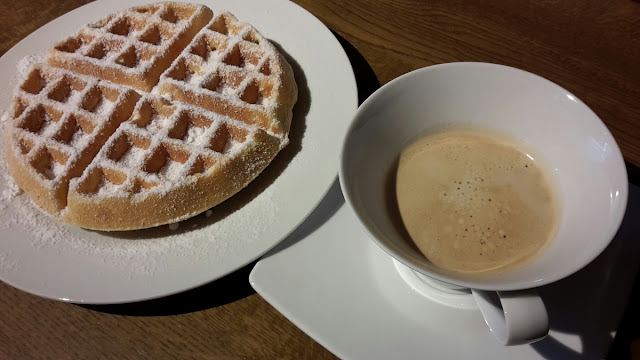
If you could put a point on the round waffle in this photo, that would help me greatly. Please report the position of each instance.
(149, 116)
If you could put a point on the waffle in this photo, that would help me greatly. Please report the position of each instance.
(132, 47)
(230, 69)
(149, 116)
(149, 157)
(59, 122)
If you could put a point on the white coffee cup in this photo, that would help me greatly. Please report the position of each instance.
(583, 156)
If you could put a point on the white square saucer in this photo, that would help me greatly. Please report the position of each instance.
(345, 292)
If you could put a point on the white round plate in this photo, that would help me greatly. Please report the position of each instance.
(59, 261)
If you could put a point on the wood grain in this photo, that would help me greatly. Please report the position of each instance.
(221, 320)
(590, 47)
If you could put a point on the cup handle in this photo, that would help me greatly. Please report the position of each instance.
(514, 317)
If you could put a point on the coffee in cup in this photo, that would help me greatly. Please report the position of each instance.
(474, 200)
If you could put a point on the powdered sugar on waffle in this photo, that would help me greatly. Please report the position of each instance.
(11, 190)
(132, 158)
(195, 240)
(173, 172)
(194, 135)
(67, 107)
(242, 42)
(173, 160)
(104, 107)
(122, 33)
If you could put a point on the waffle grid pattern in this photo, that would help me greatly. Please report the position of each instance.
(226, 70)
(149, 115)
(132, 47)
(162, 143)
(61, 120)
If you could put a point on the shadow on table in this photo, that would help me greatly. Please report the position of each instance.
(629, 329)
(607, 278)
(235, 286)
(220, 292)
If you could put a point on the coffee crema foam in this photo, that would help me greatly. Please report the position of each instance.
(472, 201)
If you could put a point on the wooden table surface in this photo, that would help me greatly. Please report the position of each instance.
(590, 47)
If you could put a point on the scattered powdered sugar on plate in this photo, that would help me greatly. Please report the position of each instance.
(27, 62)
(8, 262)
(9, 192)
(4, 117)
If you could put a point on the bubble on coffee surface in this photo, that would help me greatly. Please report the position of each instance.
(472, 203)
